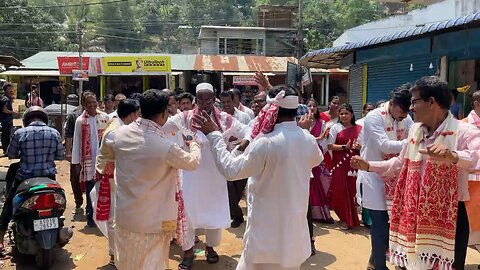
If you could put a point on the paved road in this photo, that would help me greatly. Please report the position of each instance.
(88, 249)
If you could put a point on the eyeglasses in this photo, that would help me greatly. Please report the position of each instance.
(414, 101)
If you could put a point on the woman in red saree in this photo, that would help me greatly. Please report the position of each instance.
(330, 118)
(343, 143)
(320, 182)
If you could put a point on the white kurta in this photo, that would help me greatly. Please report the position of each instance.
(279, 165)
(77, 143)
(205, 190)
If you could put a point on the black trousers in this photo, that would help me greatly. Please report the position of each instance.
(461, 237)
(89, 185)
(6, 134)
(310, 223)
(7, 210)
(76, 186)
(235, 192)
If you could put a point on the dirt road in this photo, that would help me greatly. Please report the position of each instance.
(89, 250)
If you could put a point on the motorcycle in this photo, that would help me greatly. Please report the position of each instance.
(38, 221)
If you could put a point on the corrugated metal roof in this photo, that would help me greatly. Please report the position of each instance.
(330, 56)
(33, 73)
(241, 63)
(48, 60)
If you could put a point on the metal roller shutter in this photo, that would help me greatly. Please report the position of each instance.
(384, 76)
(355, 89)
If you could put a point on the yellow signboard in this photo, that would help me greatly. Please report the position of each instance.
(132, 65)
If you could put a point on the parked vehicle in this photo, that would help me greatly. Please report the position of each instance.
(38, 221)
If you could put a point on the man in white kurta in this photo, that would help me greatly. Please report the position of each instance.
(128, 111)
(383, 135)
(279, 163)
(147, 186)
(205, 189)
(97, 122)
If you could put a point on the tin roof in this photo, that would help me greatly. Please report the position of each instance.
(330, 57)
(180, 62)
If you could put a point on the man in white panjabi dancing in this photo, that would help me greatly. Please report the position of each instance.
(148, 200)
(127, 111)
(278, 162)
(205, 189)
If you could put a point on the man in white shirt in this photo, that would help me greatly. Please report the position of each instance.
(149, 201)
(384, 133)
(89, 128)
(205, 189)
(118, 98)
(278, 162)
(128, 111)
(235, 188)
(237, 97)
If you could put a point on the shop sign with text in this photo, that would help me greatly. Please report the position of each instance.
(136, 64)
(66, 64)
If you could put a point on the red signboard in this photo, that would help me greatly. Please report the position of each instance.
(66, 64)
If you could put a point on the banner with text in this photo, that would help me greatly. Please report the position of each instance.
(136, 65)
(66, 64)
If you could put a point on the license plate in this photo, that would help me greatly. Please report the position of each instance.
(45, 224)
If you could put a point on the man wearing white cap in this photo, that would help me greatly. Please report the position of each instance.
(278, 162)
(205, 189)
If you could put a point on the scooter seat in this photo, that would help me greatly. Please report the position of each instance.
(36, 181)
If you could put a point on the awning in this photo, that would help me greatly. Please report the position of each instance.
(245, 74)
(32, 73)
(8, 61)
(236, 63)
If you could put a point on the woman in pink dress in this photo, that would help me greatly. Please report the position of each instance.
(320, 182)
(343, 143)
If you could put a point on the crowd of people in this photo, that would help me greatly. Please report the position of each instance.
(180, 163)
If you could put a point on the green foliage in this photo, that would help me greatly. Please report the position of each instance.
(157, 25)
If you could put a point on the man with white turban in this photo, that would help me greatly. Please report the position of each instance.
(278, 162)
(205, 189)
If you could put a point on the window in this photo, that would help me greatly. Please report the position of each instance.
(221, 46)
(240, 46)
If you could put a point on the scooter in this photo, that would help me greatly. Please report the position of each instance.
(38, 221)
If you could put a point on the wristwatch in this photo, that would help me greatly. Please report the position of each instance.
(344, 147)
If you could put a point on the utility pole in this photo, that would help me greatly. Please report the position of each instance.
(80, 56)
(300, 30)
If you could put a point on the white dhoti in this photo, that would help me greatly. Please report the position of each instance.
(106, 227)
(141, 251)
(212, 236)
(243, 265)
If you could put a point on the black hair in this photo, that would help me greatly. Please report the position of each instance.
(365, 106)
(153, 102)
(334, 97)
(379, 103)
(228, 93)
(401, 96)
(170, 93)
(433, 86)
(108, 97)
(349, 108)
(289, 91)
(185, 95)
(85, 94)
(136, 96)
(127, 106)
(454, 93)
(7, 85)
(236, 92)
(317, 114)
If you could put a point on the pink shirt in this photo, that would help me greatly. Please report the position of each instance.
(468, 150)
